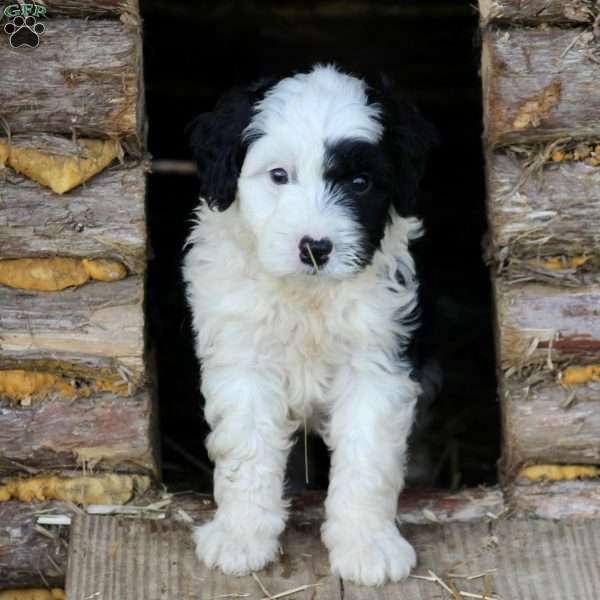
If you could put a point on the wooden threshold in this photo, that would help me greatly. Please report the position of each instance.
(118, 558)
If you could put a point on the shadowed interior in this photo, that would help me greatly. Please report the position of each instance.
(196, 51)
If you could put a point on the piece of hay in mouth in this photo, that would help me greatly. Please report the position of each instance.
(57, 273)
(60, 172)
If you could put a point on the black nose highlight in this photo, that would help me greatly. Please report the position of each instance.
(320, 250)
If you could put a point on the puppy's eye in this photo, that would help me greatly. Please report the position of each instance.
(279, 176)
(361, 183)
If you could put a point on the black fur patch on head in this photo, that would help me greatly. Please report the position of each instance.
(348, 159)
(218, 146)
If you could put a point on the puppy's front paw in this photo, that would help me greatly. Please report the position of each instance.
(235, 552)
(368, 556)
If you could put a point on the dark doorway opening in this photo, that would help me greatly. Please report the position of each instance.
(196, 51)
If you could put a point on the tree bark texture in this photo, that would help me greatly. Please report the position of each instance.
(104, 431)
(98, 324)
(534, 12)
(551, 423)
(538, 323)
(540, 84)
(27, 556)
(92, 8)
(551, 210)
(82, 79)
(103, 218)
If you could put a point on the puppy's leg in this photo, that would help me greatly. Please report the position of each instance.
(371, 417)
(249, 443)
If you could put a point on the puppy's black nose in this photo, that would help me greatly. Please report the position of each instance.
(320, 250)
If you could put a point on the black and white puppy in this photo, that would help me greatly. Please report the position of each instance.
(304, 299)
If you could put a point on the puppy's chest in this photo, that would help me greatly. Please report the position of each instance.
(308, 342)
(307, 332)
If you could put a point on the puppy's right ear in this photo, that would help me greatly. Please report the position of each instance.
(218, 145)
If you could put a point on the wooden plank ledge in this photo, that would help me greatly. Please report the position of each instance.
(115, 558)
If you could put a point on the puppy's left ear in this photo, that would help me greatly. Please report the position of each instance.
(409, 138)
(218, 145)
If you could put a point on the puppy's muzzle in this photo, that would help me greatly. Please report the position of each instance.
(315, 252)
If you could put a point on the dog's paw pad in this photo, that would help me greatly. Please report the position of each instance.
(369, 557)
(234, 552)
(24, 31)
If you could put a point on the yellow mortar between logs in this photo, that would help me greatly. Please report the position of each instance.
(97, 489)
(559, 472)
(557, 263)
(57, 273)
(60, 173)
(580, 375)
(19, 386)
(33, 594)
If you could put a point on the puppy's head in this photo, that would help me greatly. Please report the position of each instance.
(318, 162)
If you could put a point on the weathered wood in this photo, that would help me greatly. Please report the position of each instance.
(103, 431)
(536, 11)
(91, 8)
(28, 557)
(540, 84)
(103, 320)
(36, 555)
(550, 423)
(538, 213)
(143, 560)
(537, 323)
(557, 499)
(136, 567)
(91, 68)
(415, 506)
(20, 548)
(102, 219)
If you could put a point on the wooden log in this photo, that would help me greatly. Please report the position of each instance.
(542, 213)
(540, 84)
(91, 68)
(99, 324)
(102, 219)
(36, 555)
(538, 323)
(30, 556)
(102, 431)
(91, 8)
(535, 12)
(415, 506)
(550, 423)
(557, 500)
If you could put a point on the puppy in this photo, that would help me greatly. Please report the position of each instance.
(305, 305)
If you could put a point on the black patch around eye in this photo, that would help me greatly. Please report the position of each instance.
(279, 176)
(360, 174)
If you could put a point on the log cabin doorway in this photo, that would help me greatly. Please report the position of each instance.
(195, 51)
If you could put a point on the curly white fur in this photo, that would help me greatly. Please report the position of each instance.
(280, 346)
(277, 350)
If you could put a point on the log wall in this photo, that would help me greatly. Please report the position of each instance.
(75, 403)
(540, 70)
